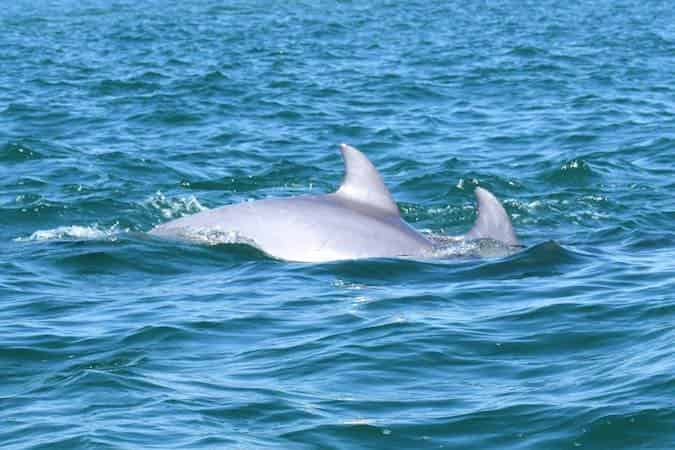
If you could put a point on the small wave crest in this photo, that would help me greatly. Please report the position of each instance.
(576, 172)
(173, 208)
(543, 259)
(74, 232)
(456, 247)
(18, 152)
(214, 236)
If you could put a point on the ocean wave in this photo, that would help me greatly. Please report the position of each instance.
(173, 208)
(74, 232)
(455, 247)
(573, 172)
(214, 236)
(18, 152)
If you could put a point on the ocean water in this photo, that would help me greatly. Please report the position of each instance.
(116, 116)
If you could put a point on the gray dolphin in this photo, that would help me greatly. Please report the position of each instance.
(359, 220)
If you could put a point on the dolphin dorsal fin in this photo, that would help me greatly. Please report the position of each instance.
(363, 184)
(493, 222)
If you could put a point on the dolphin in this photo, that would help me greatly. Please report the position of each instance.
(359, 220)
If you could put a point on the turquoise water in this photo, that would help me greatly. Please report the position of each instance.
(117, 116)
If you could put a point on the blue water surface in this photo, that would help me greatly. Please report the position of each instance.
(116, 116)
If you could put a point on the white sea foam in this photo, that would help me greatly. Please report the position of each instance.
(173, 208)
(214, 236)
(359, 421)
(73, 232)
(453, 247)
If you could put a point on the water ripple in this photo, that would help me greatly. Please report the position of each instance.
(114, 118)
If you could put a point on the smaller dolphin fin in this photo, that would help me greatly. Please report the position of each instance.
(493, 222)
(362, 182)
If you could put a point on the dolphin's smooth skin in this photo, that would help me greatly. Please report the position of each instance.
(359, 220)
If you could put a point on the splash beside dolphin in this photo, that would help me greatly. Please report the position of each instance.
(359, 220)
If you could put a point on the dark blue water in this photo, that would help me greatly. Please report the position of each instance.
(117, 116)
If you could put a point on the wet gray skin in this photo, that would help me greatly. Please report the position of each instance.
(359, 220)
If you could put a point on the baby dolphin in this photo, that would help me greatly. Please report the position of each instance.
(359, 220)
